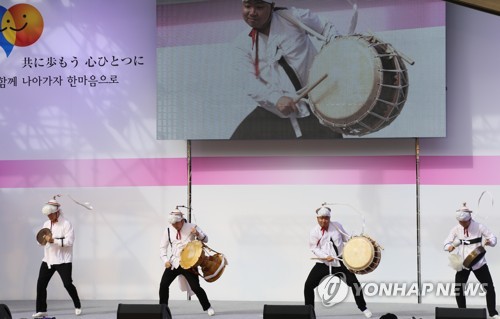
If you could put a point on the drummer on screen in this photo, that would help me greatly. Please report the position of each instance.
(467, 236)
(274, 57)
(175, 237)
(326, 241)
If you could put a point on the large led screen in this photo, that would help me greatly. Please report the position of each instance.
(315, 69)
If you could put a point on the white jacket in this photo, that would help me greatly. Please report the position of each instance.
(285, 40)
(178, 242)
(475, 230)
(61, 250)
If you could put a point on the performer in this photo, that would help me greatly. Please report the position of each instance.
(466, 236)
(274, 57)
(326, 241)
(176, 236)
(58, 256)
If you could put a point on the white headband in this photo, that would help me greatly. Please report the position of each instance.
(51, 207)
(463, 214)
(323, 211)
(175, 216)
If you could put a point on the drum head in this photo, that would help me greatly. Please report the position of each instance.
(365, 88)
(353, 79)
(41, 234)
(190, 255)
(358, 253)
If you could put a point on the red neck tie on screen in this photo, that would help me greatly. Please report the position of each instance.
(178, 236)
(254, 34)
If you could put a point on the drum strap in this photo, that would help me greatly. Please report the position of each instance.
(471, 241)
(334, 247)
(296, 84)
(291, 73)
(168, 230)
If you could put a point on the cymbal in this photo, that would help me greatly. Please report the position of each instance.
(40, 237)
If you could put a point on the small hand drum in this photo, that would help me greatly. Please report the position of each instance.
(40, 237)
(474, 257)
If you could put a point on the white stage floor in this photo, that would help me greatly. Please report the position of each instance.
(224, 309)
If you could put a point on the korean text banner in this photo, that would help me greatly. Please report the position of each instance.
(70, 65)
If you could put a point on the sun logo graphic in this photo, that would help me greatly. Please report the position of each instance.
(21, 25)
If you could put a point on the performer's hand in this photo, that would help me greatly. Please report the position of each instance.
(168, 265)
(451, 248)
(329, 258)
(48, 238)
(487, 242)
(286, 105)
(195, 232)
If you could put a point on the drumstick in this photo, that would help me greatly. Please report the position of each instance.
(318, 258)
(310, 88)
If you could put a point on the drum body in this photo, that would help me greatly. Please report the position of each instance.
(198, 254)
(361, 255)
(474, 257)
(40, 236)
(366, 87)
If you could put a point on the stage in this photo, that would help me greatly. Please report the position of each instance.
(62, 309)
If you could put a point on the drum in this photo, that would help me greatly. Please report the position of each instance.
(365, 88)
(198, 254)
(40, 236)
(474, 257)
(361, 255)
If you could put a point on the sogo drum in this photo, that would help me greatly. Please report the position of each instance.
(361, 254)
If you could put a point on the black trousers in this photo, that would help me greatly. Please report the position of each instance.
(193, 280)
(262, 124)
(320, 270)
(484, 277)
(44, 276)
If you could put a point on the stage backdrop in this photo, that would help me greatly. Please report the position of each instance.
(202, 96)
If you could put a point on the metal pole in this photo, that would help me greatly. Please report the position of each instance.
(188, 151)
(417, 178)
(189, 179)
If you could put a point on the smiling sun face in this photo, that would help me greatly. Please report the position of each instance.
(22, 25)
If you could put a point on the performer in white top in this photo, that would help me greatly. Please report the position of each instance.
(58, 256)
(326, 241)
(176, 236)
(467, 236)
(275, 56)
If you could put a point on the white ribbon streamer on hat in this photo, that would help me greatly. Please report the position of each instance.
(479, 203)
(356, 210)
(87, 205)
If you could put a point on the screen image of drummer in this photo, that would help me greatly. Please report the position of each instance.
(325, 70)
